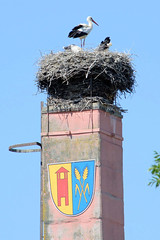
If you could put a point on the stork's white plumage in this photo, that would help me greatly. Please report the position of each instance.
(82, 30)
(72, 48)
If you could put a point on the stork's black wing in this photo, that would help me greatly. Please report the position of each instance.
(107, 40)
(77, 27)
(75, 33)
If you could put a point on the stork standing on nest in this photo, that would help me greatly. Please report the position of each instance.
(82, 30)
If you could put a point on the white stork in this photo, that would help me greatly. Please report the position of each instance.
(72, 48)
(104, 45)
(82, 30)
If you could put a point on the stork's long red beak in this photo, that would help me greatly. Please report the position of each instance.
(95, 22)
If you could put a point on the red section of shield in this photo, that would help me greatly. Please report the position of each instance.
(62, 185)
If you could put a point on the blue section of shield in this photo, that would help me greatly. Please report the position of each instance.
(82, 190)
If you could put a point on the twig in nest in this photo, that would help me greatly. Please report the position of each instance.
(91, 67)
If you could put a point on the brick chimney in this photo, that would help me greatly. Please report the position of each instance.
(85, 146)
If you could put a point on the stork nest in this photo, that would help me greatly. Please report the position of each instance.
(69, 76)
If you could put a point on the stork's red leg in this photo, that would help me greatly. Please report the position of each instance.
(81, 43)
(84, 42)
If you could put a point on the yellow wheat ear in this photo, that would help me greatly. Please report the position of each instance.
(77, 174)
(85, 173)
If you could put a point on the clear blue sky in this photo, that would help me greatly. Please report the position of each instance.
(29, 28)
